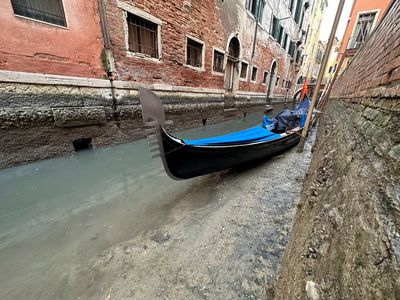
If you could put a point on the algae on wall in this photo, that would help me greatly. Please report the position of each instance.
(346, 237)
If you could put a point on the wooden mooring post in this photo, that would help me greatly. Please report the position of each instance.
(320, 75)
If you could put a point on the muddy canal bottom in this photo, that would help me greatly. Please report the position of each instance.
(109, 224)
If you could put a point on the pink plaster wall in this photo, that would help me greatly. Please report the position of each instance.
(361, 6)
(31, 46)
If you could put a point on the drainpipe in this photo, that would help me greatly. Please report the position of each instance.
(254, 42)
(111, 72)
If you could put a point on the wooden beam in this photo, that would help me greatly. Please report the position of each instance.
(321, 75)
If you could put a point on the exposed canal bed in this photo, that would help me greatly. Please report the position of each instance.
(109, 224)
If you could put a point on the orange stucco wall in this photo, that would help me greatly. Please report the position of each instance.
(30, 46)
(361, 6)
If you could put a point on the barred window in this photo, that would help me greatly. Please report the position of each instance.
(142, 36)
(277, 81)
(362, 29)
(243, 70)
(218, 65)
(50, 11)
(194, 53)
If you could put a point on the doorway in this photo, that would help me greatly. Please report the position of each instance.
(231, 69)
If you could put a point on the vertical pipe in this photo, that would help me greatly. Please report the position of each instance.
(320, 75)
(109, 57)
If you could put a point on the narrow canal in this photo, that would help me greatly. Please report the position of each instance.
(109, 224)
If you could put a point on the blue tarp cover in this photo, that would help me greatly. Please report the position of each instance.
(251, 135)
(254, 134)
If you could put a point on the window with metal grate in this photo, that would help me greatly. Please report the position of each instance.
(142, 36)
(50, 11)
(194, 53)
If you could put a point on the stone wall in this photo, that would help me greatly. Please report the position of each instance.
(42, 115)
(345, 241)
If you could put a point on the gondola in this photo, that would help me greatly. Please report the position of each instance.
(184, 159)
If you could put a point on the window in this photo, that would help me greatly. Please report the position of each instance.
(299, 5)
(283, 83)
(362, 29)
(254, 74)
(277, 81)
(261, 10)
(291, 2)
(280, 35)
(50, 11)
(320, 53)
(194, 53)
(275, 27)
(285, 38)
(256, 7)
(243, 70)
(218, 63)
(291, 49)
(142, 36)
(265, 77)
(299, 57)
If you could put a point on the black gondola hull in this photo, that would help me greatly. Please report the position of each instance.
(185, 161)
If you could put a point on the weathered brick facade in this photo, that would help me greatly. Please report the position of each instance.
(214, 23)
(375, 69)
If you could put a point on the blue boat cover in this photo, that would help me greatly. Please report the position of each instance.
(250, 135)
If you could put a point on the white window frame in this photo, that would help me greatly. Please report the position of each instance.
(356, 22)
(126, 8)
(247, 71)
(223, 64)
(266, 80)
(250, 14)
(199, 69)
(251, 75)
(44, 22)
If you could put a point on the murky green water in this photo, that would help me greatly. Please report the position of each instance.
(58, 213)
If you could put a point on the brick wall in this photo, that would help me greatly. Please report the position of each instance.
(209, 21)
(375, 69)
(345, 240)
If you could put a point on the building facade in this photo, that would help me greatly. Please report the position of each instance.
(364, 17)
(312, 44)
(331, 65)
(51, 37)
(241, 47)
